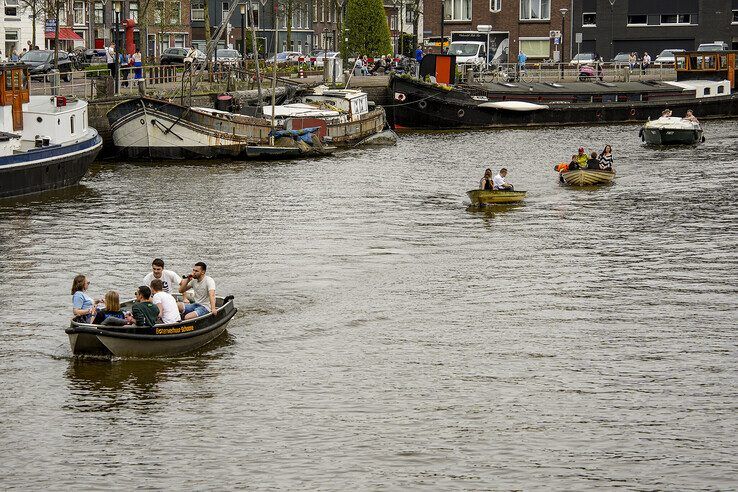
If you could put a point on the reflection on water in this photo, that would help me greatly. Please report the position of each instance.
(388, 336)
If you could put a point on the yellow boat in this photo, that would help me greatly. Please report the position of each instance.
(490, 197)
(588, 177)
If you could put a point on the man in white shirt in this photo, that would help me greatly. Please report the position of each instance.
(169, 278)
(167, 304)
(110, 60)
(204, 289)
(499, 182)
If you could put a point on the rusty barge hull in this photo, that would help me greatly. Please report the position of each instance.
(155, 129)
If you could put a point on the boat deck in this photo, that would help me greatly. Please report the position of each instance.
(588, 88)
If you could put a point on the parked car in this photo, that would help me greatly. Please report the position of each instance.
(287, 56)
(41, 62)
(227, 56)
(582, 58)
(715, 46)
(320, 57)
(621, 58)
(94, 56)
(667, 56)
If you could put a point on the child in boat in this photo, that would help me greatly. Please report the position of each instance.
(593, 162)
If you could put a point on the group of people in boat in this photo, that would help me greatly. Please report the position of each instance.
(154, 302)
(689, 116)
(592, 160)
(497, 183)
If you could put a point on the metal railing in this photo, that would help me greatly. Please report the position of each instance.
(551, 73)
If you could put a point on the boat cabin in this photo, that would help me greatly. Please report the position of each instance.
(14, 93)
(353, 102)
(706, 65)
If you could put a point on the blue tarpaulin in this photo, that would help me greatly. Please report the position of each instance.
(306, 134)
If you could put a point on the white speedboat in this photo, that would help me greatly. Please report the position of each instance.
(671, 131)
(45, 142)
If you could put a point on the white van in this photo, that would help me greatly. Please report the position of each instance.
(714, 46)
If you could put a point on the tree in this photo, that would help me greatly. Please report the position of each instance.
(289, 7)
(368, 31)
(36, 9)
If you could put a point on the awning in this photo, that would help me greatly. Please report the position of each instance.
(65, 34)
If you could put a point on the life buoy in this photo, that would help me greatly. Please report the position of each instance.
(460, 113)
(422, 104)
(399, 96)
(632, 112)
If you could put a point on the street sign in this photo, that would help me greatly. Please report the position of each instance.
(554, 34)
(578, 37)
(50, 25)
(557, 41)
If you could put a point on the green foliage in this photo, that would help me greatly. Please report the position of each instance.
(408, 43)
(367, 27)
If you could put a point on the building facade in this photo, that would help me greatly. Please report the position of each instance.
(653, 25)
(302, 39)
(16, 28)
(526, 24)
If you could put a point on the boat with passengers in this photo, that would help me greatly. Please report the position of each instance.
(45, 141)
(162, 340)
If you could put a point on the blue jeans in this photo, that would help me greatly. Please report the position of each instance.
(198, 308)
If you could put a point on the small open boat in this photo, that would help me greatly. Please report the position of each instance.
(143, 341)
(491, 197)
(588, 177)
(671, 131)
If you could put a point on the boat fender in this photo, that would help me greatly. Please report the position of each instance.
(640, 134)
(422, 104)
(460, 113)
(632, 112)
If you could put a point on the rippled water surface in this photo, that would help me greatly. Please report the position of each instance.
(387, 336)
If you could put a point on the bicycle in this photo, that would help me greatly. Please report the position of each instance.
(523, 76)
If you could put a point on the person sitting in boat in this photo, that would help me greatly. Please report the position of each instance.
(605, 158)
(143, 312)
(486, 182)
(203, 287)
(111, 314)
(165, 303)
(499, 182)
(582, 158)
(593, 162)
(691, 117)
(666, 113)
(169, 278)
(83, 307)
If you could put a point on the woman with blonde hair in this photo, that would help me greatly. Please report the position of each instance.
(111, 312)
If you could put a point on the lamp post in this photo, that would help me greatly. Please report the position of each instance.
(443, 18)
(561, 41)
(243, 36)
(612, 24)
(117, 47)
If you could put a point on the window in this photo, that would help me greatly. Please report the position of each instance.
(494, 6)
(62, 13)
(637, 20)
(535, 9)
(179, 40)
(589, 19)
(409, 15)
(11, 35)
(458, 10)
(133, 11)
(676, 19)
(535, 47)
(315, 10)
(393, 22)
(735, 17)
(11, 8)
(99, 13)
(197, 11)
(79, 13)
(157, 13)
(322, 12)
(71, 123)
(224, 15)
(176, 12)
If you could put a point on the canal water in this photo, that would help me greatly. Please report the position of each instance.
(388, 337)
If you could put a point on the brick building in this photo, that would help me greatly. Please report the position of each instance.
(526, 24)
